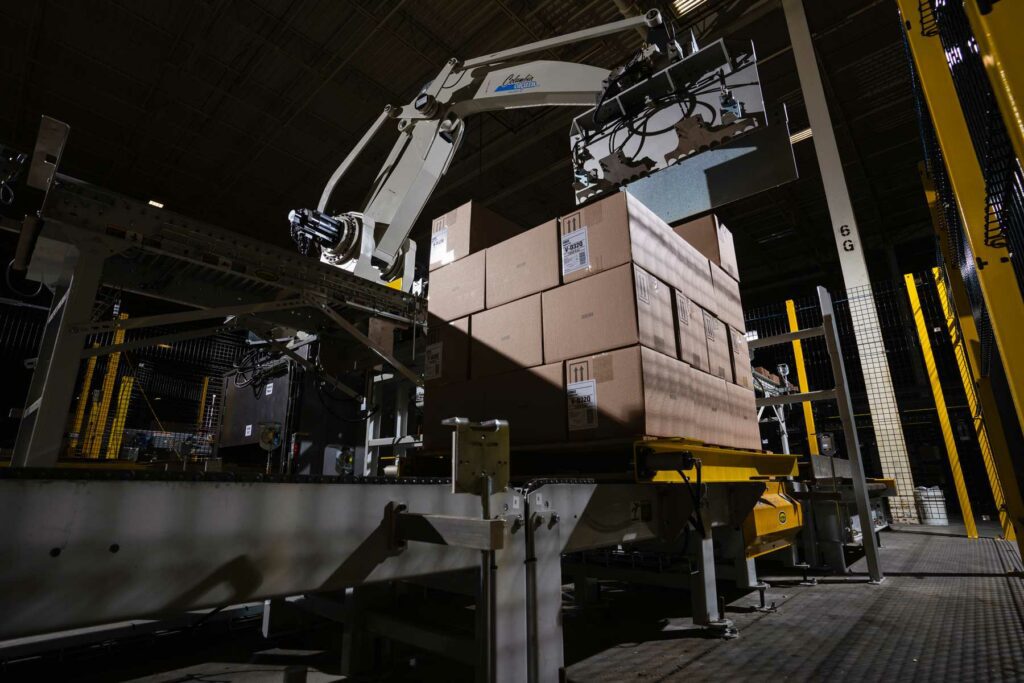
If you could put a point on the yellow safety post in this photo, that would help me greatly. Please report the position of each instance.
(801, 378)
(83, 401)
(977, 419)
(940, 407)
(202, 402)
(124, 397)
(96, 433)
(1002, 294)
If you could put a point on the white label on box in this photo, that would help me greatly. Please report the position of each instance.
(683, 304)
(575, 251)
(582, 399)
(248, 430)
(432, 360)
(439, 252)
(643, 288)
(269, 390)
(709, 326)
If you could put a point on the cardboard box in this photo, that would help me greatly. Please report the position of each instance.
(466, 230)
(709, 423)
(507, 338)
(690, 334)
(741, 371)
(446, 356)
(713, 240)
(620, 229)
(719, 357)
(628, 393)
(533, 402)
(727, 306)
(523, 265)
(742, 412)
(616, 308)
(457, 290)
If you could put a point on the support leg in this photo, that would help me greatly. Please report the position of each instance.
(704, 589)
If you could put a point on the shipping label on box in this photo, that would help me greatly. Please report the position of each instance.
(582, 404)
(439, 251)
(575, 251)
(432, 360)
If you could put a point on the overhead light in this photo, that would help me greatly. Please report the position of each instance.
(681, 7)
(800, 136)
(163, 345)
(153, 202)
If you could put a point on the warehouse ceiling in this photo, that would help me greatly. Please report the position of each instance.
(235, 111)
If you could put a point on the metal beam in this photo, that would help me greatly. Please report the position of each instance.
(846, 416)
(786, 399)
(94, 351)
(795, 335)
(885, 422)
(188, 316)
(382, 353)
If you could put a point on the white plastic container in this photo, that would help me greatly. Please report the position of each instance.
(931, 506)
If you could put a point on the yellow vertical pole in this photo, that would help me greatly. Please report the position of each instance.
(202, 402)
(83, 401)
(970, 342)
(996, 276)
(801, 378)
(940, 407)
(100, 425)
(124, 397)
(977, 419)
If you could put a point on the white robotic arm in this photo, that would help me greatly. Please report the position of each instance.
(374, 243)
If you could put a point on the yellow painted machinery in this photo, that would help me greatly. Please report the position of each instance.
(774, 522)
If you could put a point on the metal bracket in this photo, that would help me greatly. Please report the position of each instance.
(461, 532)
(46, 156)
(480, 453)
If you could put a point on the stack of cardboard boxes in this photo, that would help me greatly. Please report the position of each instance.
(606, 324)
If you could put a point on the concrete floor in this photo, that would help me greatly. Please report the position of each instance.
(949, 609)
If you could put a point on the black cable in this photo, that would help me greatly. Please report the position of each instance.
(696, 498)
(10, 285)
(320, 395)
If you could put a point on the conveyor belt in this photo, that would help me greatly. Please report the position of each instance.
(164, 254)
(99, 474)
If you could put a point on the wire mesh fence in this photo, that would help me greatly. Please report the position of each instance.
(143, 395)
(913, 408)
(155, 402)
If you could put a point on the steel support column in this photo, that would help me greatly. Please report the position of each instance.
(999, 286)
(846, 416)
(885, 419)
(41, 432)
(996, 27)
(1002, 295)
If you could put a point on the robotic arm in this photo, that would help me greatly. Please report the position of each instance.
(374, 243)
